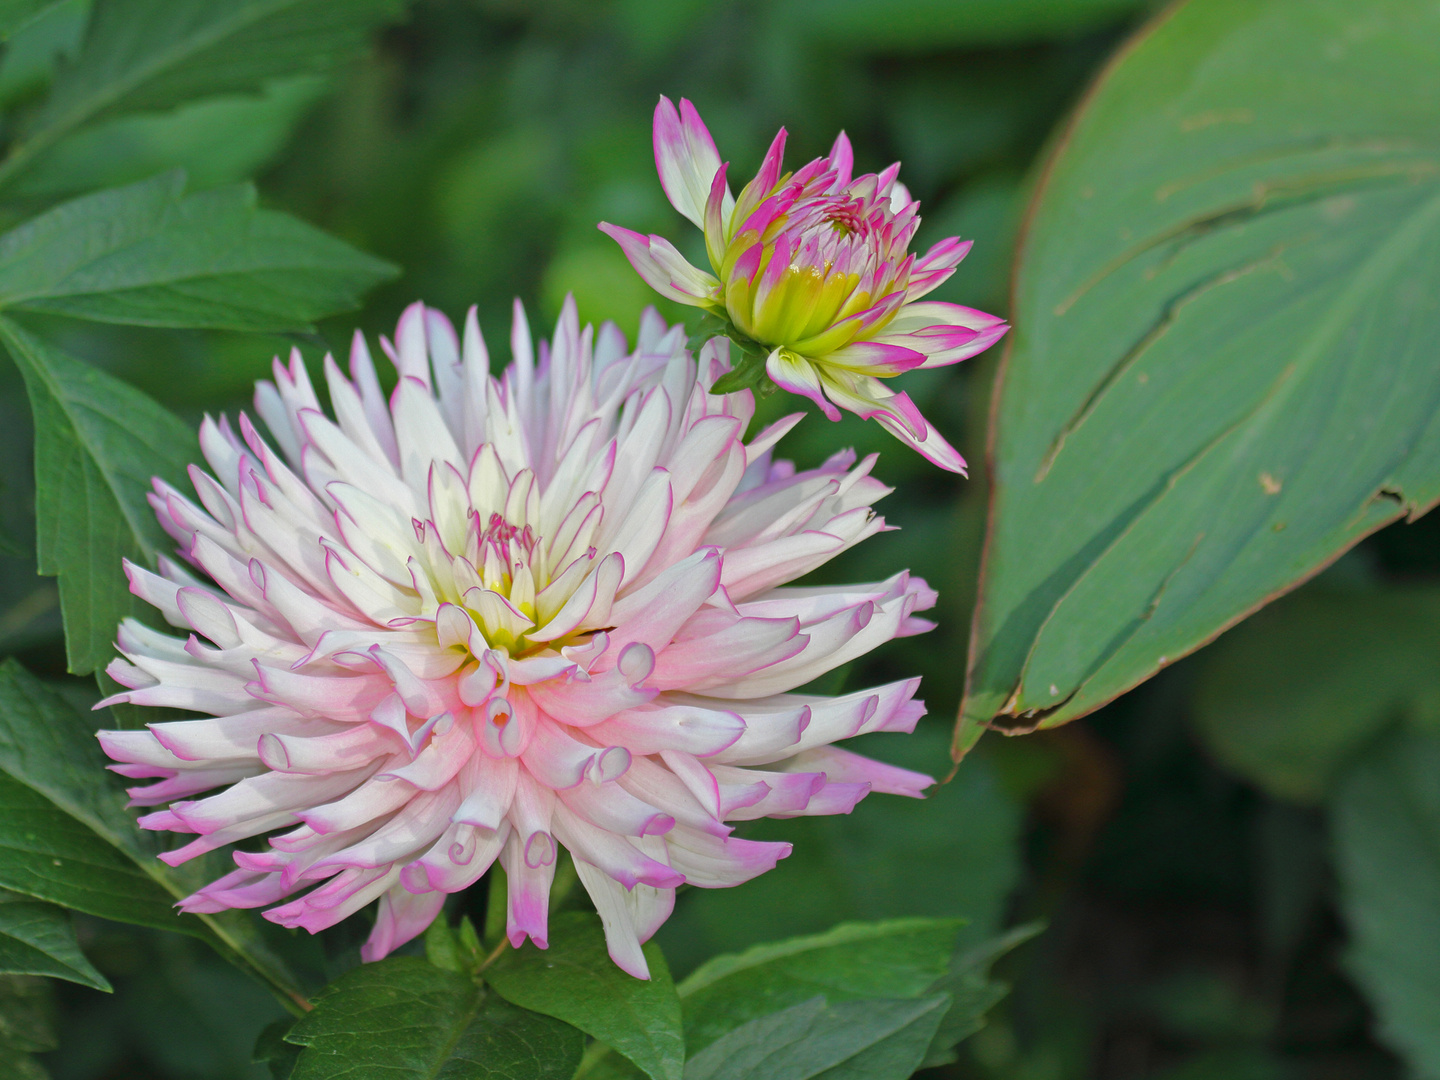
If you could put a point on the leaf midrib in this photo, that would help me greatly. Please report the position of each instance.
(89, 107)
(462, 1024)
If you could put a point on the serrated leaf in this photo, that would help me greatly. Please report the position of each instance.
(67, 838)
(576, 981)
(408, 1020)
(39, 939)
(972, 993)
(150, 255)
(898, 958)
(851, 1040)
(1289, 697)
(1222, 374)
(98, 442)
(144, 55)
(1385, 818)
(217, 140)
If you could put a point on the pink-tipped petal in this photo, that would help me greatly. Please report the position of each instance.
(793, 372)
(663, 268)
(685, 157)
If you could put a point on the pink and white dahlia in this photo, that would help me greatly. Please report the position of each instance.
(490, 618)
(812, 276)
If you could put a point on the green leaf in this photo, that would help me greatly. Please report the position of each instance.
(154, 54)
(1222, 373)
(98, 442)
(1288, 698)
(403, 1018)
(47, 854)
(219, 140)
(273, 1051)
(65, 836)
(928, 25)
(899, 958)
(1385, 819)
(150, 255)
(16, 14)
(852, 1040)
(972, 993)
(576, 981)
(39, 939)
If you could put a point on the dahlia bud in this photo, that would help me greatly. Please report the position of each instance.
(813, 277)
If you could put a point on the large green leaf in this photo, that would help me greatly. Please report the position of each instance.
(405, 1019)
(1288, 697)
(1386, 821)
(901, 958)
(896, 959)
(1223, 371)
(39, 939)
(65, 836)
(151, 255)
(49, 855)
(576, 981)
(814, 1040)
(154, 54)
(971, 990)
(98, 442)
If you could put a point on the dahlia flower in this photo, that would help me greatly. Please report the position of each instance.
(812, 277)
(490, 618)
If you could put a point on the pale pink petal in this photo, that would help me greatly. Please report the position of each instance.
(685, 157)
(496, 616)
(662, 267)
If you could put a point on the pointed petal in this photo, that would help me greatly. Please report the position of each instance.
(662, 267)
(685, 157)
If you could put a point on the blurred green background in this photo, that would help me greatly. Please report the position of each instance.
(1193, 935)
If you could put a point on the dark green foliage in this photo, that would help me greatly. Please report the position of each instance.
(150, 255)
(911, 26)
(858, 1040)
(66, 838)
(898, 959)
(46, 854)
(143, 55)
(1290, 697)
(27, 1026)
(38, 939)
(98, 443)
(575, 981)
(912, 959)
(1386, 818)
(404, 1018)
